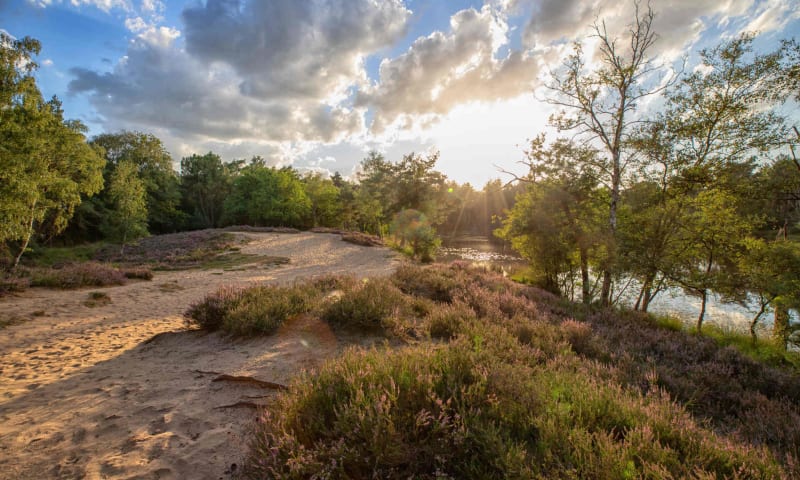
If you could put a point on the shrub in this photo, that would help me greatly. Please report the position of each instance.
(141, 273)
(447, 321)
(10, 283)
(252, 311)
(97, 299)
(77, 275)
(435, 282)
(374, 306)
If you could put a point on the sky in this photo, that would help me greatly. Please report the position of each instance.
(319, 83)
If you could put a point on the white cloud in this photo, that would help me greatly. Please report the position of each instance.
(161, 37)
(104, 5)
(441, 71)
(250, 71)
(47, 62)
(135, 24)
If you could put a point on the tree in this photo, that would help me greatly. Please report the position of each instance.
(717, 114)
(770, 271)
(205, 183)
(599, 105)
(128, 197)
(411, 183)
(45, 162)
(154, 168)
(555, 223)
(709, 242)
(323, 195)
(262, 195)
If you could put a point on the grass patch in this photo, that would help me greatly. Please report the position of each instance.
(514, 386)
(764, 350)
(464, 411)
(40, 256)
(236, 261)
(174, 251)
(97, 299)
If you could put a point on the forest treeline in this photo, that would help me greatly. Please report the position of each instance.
(58, 187)
(698, 191)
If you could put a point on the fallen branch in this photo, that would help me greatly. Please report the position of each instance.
(241, 404)
(223, 377)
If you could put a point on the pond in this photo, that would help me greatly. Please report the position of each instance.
(673, 302)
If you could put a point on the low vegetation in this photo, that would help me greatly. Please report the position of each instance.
(173, 251)
(492, 379)
(97, 299)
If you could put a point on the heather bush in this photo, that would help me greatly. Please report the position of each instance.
(373, 306)
(447, 321)
(141, 273)
(77, 275)
(172, 251)
(520, 389)
(481, 409)
(256, 310)
(436, 282)
(717, 383)
(10, 283)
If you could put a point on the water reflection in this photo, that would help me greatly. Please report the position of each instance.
(480, 251)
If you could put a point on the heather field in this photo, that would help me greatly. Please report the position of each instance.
(479, 377)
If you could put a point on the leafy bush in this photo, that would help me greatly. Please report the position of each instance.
(77, 275)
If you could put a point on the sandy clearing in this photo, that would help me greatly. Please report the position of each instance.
(83, 394)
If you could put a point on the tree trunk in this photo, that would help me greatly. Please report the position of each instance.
(703, 300)
(27, 237)
(605, 291)
(639, 298)
(586, 292)
(755, 322)
(781, 327)
(648, 296)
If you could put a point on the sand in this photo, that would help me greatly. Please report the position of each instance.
(124, 391)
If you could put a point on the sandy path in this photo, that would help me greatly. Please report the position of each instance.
(84, 394)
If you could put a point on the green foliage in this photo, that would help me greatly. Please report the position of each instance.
(45, 162)
(411, 228)
(556, 222)
(267, 196)
(386, 189)
(154, 167)
(205, 183)
(127, 196)
(325, 207)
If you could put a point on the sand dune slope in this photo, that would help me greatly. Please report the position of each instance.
(126, 391)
